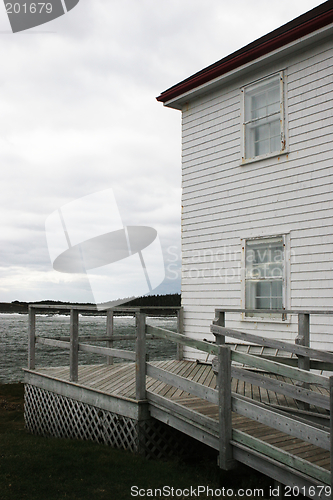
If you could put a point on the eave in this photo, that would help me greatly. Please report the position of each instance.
(301, 32)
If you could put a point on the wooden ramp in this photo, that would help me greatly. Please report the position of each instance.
(270, 412)
(113, 388)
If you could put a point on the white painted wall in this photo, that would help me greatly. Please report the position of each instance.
(224, 201)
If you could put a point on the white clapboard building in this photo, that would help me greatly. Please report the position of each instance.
(257, 164)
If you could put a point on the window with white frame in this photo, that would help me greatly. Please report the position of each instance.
(263, 127)
(265, 276)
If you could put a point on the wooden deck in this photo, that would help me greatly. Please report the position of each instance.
(118, 381)
(267, 407)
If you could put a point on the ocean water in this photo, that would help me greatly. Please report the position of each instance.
(14, 341)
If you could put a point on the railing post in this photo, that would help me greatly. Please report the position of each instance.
(331, 432)
(32, 338)
(109, 333)
(226, 460)
(180, 330)
(303, 338)
(140, 362)
(219, 321)
(74, 346)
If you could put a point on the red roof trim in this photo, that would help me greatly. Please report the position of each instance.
(303, 25)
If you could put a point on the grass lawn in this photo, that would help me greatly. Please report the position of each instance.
(37, 468)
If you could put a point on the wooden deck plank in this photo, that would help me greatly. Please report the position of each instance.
(194, 374)
(55, 371)
(211, 380)
(116, 383)
(266, 397)
(155, 385)
(112, 375)
(98, 381)
(128, 385)
(160, 386)
(324, 463)
(205, 369)
(169, 390)
(255, 393)
(114, 387)
(93, 378)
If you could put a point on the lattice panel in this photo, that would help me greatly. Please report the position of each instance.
(158, 440)
(49, 414)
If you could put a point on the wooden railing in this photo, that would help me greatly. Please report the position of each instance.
(296, 426)
(254, 369)
(230, 364)
(75, 343)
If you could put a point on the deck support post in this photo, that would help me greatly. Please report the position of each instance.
(74, 346)
(331, 433)
(226, 460)
(219, 321)
(140, 361)
(109, 333)
(180, 330)
(303, 338)
(32, 339)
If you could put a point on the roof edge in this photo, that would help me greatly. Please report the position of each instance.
(303, 25)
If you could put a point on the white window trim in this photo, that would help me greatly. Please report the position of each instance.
(284, 150)
(286, 276)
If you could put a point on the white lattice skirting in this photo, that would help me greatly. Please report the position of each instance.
(49, 414)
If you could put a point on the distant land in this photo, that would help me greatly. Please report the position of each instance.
(169, 300)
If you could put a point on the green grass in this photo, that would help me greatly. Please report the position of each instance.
(37, 468)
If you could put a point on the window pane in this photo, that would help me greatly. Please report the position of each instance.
(264, 264)
(275, 136)
(268, 295)
(250, 295)
(259, 106)
(273, 98)
(265, 103)
(263, 118)
(266, 137)
(264, 259)
(262, 140)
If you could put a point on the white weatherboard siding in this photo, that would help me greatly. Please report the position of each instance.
(224, 201)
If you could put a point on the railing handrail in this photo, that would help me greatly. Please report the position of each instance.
(200, 345)
(250, 360)
(102, 312)
(75, 343)
(277, 368)
(276, 344)
(275, 311)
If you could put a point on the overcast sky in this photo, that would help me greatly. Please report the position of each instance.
(79, 115)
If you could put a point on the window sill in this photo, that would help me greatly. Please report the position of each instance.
(264, 157)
